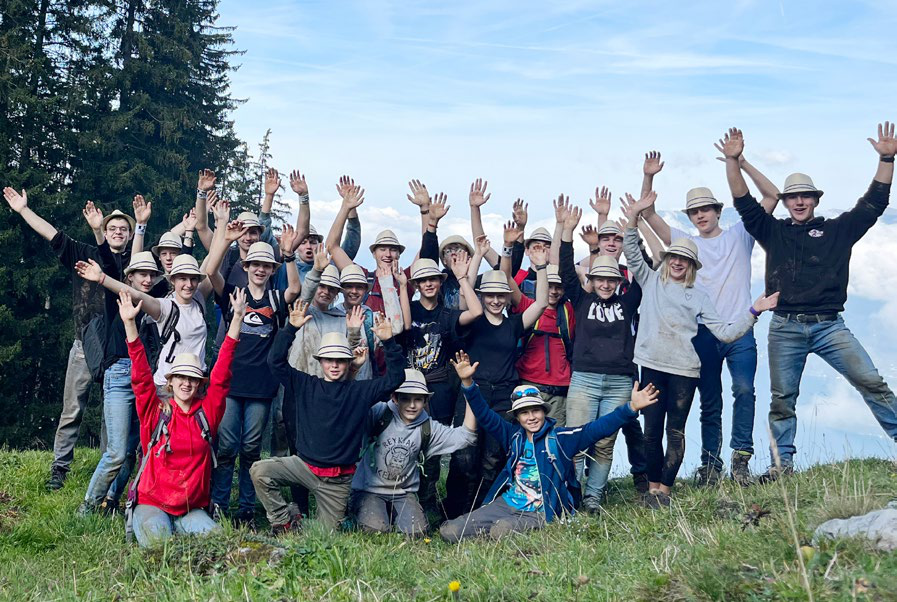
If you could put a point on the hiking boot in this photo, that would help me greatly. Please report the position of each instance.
(591, 504)
(740, 471)
(217, 513)
(773, 473)
(294, 526)
(708, 476)
(656, 500)
(245, 518)
(86, 509)
(56, 480)
(109, 507)
(640, 480)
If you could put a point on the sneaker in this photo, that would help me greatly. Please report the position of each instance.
(708, 476)
(245, 518)
(56, 480)
(740, 471)
(656, 500)
(773, 473)
(294, 526)
(86, 509)
(109, 507)
(217, 513)
(640, 480)
(591, 504)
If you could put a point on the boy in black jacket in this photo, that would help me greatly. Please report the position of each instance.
(807, 259)
(330, 415)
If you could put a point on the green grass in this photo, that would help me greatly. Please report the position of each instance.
(701, 549)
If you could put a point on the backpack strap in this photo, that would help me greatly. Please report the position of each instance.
(160, 430)
(277, 302)
(203, 421)
(169, 329)
(380, 425)
(426, 434)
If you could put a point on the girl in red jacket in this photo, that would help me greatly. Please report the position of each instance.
(174, 482)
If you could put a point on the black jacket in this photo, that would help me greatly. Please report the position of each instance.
(809, 263)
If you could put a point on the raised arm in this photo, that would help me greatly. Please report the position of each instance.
(421, 197)
(204, 185)
(584, 437)
(303, 219)
(313, 276)
(634, 259)
(90, 270)
(561, 208)
(886, 147)
(651, 239)
(271, 186)
(491, 422)
(481, 246)
(727, 332)
(225, 233)
(769, 192)
(142, 213)
(539, 259)
(283, 340)
(572, 283)
(601, 203)
(460, 266)
(289, 239)
(353, 197)
(94, 218)
(478, 198)
(144, 388)
(653, 165)
(511, 233)
(18, 202)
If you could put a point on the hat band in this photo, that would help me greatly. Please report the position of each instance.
(143, 266)
(605, 273)
(260, 256)
(186, 370)
(412, 388)
(344, 351)
(425, 273)
(682, 252)
(494, 287)
(186, 269)
(382, 242)
(800, 188)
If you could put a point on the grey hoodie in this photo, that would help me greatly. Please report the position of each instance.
(394, 455)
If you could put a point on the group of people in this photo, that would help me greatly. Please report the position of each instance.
(523, 376)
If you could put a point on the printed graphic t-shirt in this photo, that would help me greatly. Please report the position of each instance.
(526, 492)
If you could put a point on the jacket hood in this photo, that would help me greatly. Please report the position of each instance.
(421, 418)
(813, 222)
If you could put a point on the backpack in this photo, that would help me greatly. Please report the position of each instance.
(563, 325)
(385, 419)
(93, 340)
(159, 431)
(155, 336)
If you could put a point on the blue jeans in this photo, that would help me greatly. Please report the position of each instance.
(589, 397)
(122, 430)
(741, 358)
(240, 433)
(152, 524)
(789, 344)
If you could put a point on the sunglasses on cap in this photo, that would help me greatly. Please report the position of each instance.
(527, 392)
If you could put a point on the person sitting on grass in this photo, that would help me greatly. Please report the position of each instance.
(538, 484)
(401, 431)
(173, 484)
(328, 418)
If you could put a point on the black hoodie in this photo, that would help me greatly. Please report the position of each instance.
(809, 263)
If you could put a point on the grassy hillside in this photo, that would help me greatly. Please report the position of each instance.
(712, 545)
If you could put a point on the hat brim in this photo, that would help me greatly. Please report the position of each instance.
(246, 262)
(401, 248)
(703, 203)
(364, 283)
(199, 275)
(203, 378)
(817, 193)
(155, 270)
(428, 393)
(495, 289)
(157, 248)
(440, 275)
(530, 403)
(663, 254)
(333, 355)
(615, 276)
(131, 221)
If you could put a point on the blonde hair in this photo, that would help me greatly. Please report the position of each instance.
(691, 271)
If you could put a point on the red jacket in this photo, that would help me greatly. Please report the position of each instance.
(180, 480)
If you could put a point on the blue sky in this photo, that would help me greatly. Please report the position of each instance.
(541, 98)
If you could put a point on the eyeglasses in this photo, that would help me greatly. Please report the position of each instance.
(117, 229)
(527, 392)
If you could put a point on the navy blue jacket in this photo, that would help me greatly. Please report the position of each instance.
(555, 448)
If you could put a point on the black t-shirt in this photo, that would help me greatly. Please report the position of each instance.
(431, 338)
(251, 375)
(495, 347)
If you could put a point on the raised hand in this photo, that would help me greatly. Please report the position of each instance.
(478, 196)
(384, 271)
(93, 216)
(631, 207)
(220, 207)
(382, 327)
(126, 308)
(520, 213)
(355, 317)
(238, 303)
(298, 183)
(642, 399)
(731, 145)
(589, 235)
(419, 195)
(561, 209)
(17, 201)
(206, 180)
(538, 256)
(886, 145)
(359, 356)
(344, 185)
(288, 239)
(189, 221)
(483, 245)
(572, 219)
(89, 270)
(234, 230)
(512, 233)
(272, 182)
(298, 317)
(601, 203)
(142, 210)
(438, 207)
(653, 164)
(764, 303)
(622, 223)
(399, 274)
(463, 367)
(353, 196)
(322, 259)
(460, 264)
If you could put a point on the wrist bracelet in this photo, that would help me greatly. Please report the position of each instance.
(201, 194)
(539, 268)
(507, 251)
(303, 199)
(886, 158)
(288, 258)
(188, 234)
(102, 279)
(755, 312)
(595, 251)
(140, 229)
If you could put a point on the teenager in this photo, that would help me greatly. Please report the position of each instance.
(493, 340)
(172, 485)
(252, 387)
(807, 259)
(87, 304)
(329, 417)
(726, 277)
(401, 431)
(538, 483)
(670, 311)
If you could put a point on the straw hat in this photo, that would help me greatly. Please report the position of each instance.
(353, 274)
(415, 383)
(334, 345)
(538, 235)
(186, 364)
(610, 227)
(425, 268)
(554, 275)
(799, 182)
(143, 262)
(116, 214)
(605, 266)
(249, 219)
(330, 277)
(700, 197)
(261, 252)
(684, 247)
(185, 265)
(169, 240)
(454, 239)
(527, 396)
(494, 281)
(387, 238)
